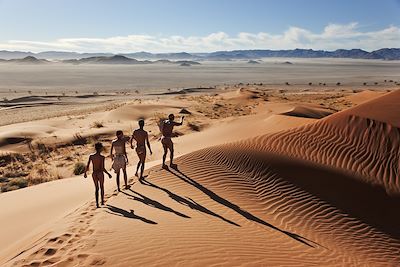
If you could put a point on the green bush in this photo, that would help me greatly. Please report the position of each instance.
(79, 168)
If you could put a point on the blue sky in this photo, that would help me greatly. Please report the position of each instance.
(174, 25)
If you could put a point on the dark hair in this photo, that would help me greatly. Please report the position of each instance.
(171, 115)
(119, 132)
(141, 123)
(98, 146)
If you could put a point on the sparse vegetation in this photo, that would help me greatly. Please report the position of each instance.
(97, 124)
(79, 168)
(14, 184)
(79, 139)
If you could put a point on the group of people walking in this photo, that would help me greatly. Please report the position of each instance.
(120, 159)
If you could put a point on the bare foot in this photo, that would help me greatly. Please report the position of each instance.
(173, 166)
(165, 167)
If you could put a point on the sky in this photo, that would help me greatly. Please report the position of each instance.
(122, 26)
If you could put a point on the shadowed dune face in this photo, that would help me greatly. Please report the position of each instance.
(361, 140)
(365, 147)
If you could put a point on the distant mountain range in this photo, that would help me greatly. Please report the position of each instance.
(116, 59)
(384, 54)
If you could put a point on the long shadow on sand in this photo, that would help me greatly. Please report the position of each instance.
(237, 209)
(153, 203)
(188, 202)
(123, 213)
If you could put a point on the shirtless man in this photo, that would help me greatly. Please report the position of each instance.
(142, 138)
(166, 129)
(97, 161)
(120, 159)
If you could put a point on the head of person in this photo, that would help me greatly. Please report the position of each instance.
(119, 134)
(98, 147)
(171, 117)
(141, 123)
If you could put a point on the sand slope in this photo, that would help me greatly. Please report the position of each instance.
(315, 195)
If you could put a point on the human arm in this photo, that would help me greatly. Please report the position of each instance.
(87, 166)
(180, 123)
(126, 155)
(104, 170)
(111, 151)
(148, 144)
(132, 140)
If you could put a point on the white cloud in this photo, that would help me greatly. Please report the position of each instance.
(334, 36)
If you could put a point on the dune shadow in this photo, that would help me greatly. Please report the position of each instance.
(127, 214)
(153, 203)
(237, 209)
(188, 202)
(368, 203)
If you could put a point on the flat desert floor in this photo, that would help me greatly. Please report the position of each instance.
(277, 165)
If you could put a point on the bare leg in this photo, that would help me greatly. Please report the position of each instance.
(171, 155)
(142, 170)
(125, 178)
(101, 181)
(171, 151)
(97, 195)
(96, 189)
(137, 169)
(118, 180)
(164, 155)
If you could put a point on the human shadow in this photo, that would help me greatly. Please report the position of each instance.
(188, 202)
(237, 209)
(127, 214)
(153, 203)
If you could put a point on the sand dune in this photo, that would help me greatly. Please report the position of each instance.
(308, 112)
(325, 193)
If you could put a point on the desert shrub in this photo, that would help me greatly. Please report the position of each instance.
(39, 174)
(42, 148)
(14, 184)
(79, 139)
(79, 168)
(97, 124)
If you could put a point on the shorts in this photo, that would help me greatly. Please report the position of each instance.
(119, 163)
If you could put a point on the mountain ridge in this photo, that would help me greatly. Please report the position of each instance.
(383, 54)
